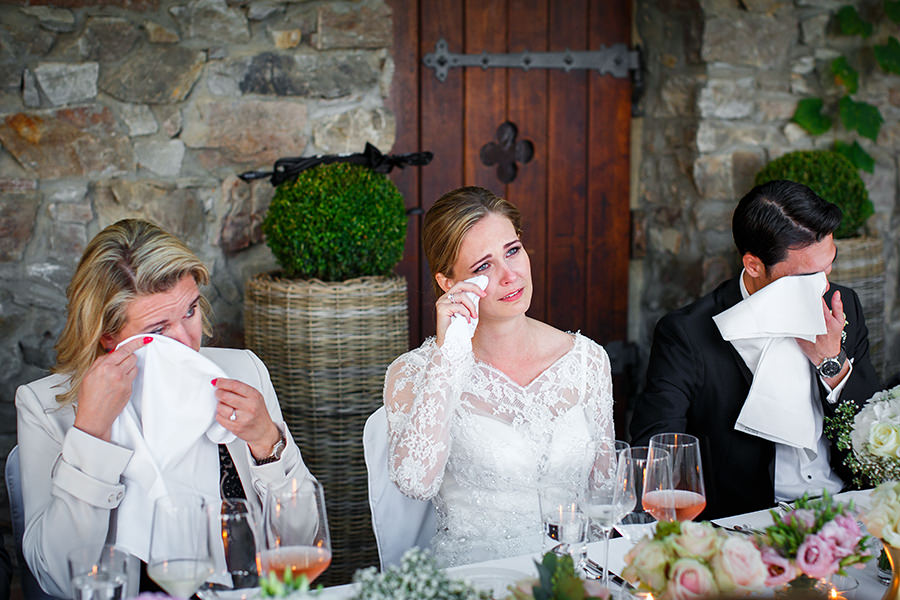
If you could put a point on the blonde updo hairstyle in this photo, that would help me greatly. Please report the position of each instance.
(449, 220)
(128, 259)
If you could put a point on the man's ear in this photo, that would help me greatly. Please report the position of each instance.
(444, 282)
(753, 265)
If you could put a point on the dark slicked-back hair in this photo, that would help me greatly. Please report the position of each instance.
(779, 216)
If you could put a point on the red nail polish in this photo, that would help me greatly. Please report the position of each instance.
(214, 381)
(148, 339)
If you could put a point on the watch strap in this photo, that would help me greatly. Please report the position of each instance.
(276, 453)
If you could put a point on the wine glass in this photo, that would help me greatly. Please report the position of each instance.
(296, 537)
(609, 496)
(650, 471)
(181, 551)
(688, 494)
(237, 524)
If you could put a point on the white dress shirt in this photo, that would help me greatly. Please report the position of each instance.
(801, 470)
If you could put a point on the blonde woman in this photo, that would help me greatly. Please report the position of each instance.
(474, 431)
(134, 278)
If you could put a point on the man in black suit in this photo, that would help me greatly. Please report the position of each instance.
(697, 382)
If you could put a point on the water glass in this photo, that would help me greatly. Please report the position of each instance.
(563, 520)
(102, 575)
(237, 524)
(650, 471)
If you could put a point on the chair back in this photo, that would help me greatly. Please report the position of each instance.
(31, 589)
(399, 522)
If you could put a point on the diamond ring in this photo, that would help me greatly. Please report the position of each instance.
(233, 416)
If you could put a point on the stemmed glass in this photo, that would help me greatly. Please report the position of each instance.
(296, 536)
(237, 524)
(688, 494)
(650, 471)
(181, 552)
(610, 494)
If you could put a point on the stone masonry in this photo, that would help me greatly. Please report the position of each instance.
(723, 80)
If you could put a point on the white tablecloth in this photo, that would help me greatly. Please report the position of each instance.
(869, 586)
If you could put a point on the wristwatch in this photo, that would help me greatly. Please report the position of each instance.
(277, 449)
(830, 367)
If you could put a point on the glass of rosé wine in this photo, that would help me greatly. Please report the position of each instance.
(688, 494)
(296, 536)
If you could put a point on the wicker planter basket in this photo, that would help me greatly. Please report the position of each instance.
(860, 266)
(327, 347)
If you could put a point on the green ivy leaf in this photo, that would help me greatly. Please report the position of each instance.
(859, 157)
(851, 23)
(892, 10)
(861, 117)
(845, 75)
(888, 56)
(809, 116)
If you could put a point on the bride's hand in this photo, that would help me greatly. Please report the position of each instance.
(455, 302)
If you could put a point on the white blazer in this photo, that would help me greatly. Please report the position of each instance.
(71, 480)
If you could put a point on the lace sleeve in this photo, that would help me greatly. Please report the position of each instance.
(421, 393)
(598, 388)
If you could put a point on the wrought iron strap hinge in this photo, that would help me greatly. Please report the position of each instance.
(617, 60)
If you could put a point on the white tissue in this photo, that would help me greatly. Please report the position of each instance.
(458, 337)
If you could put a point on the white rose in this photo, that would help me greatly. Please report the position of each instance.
(884, 440)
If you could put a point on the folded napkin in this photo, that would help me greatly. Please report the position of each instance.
(763, 328)
(458, 337)
(170, 424)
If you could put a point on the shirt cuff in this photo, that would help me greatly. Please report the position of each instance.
(835, 394)
(90, 469)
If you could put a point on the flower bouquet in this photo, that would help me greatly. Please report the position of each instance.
(817, 539)
(692, 560)
(871, 437)
(417, 577)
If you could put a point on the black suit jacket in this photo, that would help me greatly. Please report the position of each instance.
(697, 384)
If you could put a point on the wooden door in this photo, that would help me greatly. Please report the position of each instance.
(573, 194)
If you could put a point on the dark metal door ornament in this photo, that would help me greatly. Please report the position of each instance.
(506, 152)
(617, 60)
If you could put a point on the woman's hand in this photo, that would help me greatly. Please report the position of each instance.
(455, 302)
(106, 389)
(251, 421)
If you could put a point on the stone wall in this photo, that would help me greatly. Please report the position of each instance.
(724, 78)
(149, 108)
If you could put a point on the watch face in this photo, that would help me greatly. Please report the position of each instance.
(830, 367)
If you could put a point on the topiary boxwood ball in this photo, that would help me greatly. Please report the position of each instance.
(336, 222)
(830, 175)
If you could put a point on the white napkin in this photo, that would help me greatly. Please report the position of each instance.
(458, 337)
(170, 424)
(762, 329)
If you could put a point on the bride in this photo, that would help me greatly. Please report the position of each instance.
(474, 430)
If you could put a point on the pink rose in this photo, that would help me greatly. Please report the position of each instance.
(843, 533)
(739, 565)
(805, 517)
(779, 570)
(698, 540)
(816, 558)
(689, 579)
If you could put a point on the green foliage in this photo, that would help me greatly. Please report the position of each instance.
(809, 116)
(855, 153)
(861, 117)
(336, 222)
(888, 56)
(557, 580)
(892, 10)
(845, 75)
(830, 175)
(851, 23)
(273, 587)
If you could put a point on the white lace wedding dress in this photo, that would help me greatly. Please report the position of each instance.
(466, 436)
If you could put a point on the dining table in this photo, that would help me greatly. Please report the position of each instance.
(496, 575)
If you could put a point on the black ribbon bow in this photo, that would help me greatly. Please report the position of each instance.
(287, 168)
